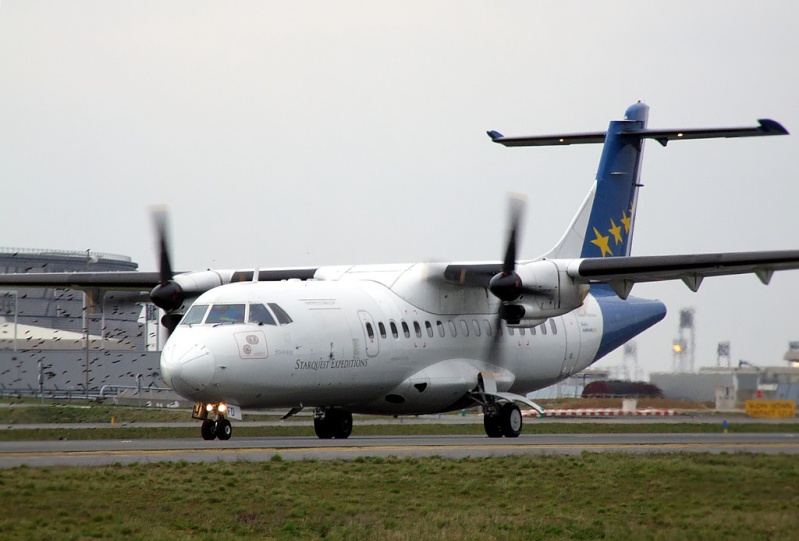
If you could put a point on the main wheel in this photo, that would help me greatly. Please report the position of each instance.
(341, 423)
(208, 429)
(491, 425)
(510, 420)
(223, 429)
(323, 428)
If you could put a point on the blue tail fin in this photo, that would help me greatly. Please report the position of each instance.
(609, 232)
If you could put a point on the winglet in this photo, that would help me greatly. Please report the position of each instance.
(494, 135)
(771, 127)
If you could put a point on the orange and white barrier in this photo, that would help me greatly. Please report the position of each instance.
(604, 412)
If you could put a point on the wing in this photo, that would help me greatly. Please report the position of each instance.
(621, 273)
(191, 283)
(115, 281)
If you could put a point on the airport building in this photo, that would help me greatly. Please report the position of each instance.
(738, 384)
(45, 316)
(60, 341)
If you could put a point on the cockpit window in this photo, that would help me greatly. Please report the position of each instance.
(260, 315)
(226, 313)
(195, 314)
(282, 317)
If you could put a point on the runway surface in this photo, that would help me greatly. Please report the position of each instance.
(102, 452)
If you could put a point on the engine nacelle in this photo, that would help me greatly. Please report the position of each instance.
(194, 284)
(548, 291)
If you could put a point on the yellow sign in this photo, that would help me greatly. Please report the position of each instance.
(770, 408)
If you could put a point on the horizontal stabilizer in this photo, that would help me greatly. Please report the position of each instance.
(548, 140)
(765, 127)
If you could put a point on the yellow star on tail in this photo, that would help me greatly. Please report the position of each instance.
(615, 230)
(626, 221)
(602, 243)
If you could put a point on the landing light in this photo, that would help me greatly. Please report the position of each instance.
(222, 408)
(209, 407)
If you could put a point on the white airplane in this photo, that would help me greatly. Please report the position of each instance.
(427, 337)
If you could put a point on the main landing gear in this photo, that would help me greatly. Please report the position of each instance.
(215, 424)
(332, 423)
(502, 419)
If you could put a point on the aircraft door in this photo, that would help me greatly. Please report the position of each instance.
(571, 328)
(369, 333)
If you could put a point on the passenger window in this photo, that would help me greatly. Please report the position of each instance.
(453, 329)
(394, 332)
(476, 327)
(429, 329)
(370, 331)
(382, 329)
(195, 314)
(543, 328)
(440, 326)
(553, 326)
(417, 329)
(226, 313)
(405, 330)
(487, 326)
(282, 317)
(260, 315)
(465, 328)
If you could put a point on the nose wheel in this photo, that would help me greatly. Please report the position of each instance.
(221, 428)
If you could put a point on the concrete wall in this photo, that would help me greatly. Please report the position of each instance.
(695, 387)
(66, 369)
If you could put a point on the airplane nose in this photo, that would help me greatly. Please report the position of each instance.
(188, 367)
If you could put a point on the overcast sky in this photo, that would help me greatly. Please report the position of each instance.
(309, 133)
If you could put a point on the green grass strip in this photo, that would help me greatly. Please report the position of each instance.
(542, 497)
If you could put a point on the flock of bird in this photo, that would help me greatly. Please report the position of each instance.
(116, 357)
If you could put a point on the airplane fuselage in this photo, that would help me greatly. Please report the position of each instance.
(359, 342)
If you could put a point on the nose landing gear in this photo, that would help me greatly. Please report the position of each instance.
(215, 424)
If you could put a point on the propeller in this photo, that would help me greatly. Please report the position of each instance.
(168, 295)
(507, 285)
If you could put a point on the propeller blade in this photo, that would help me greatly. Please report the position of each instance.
(168, 295)
(517, 204)
(492, 356)
(164, 265)
(507, 285)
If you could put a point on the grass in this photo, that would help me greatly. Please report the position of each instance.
(589, 496)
